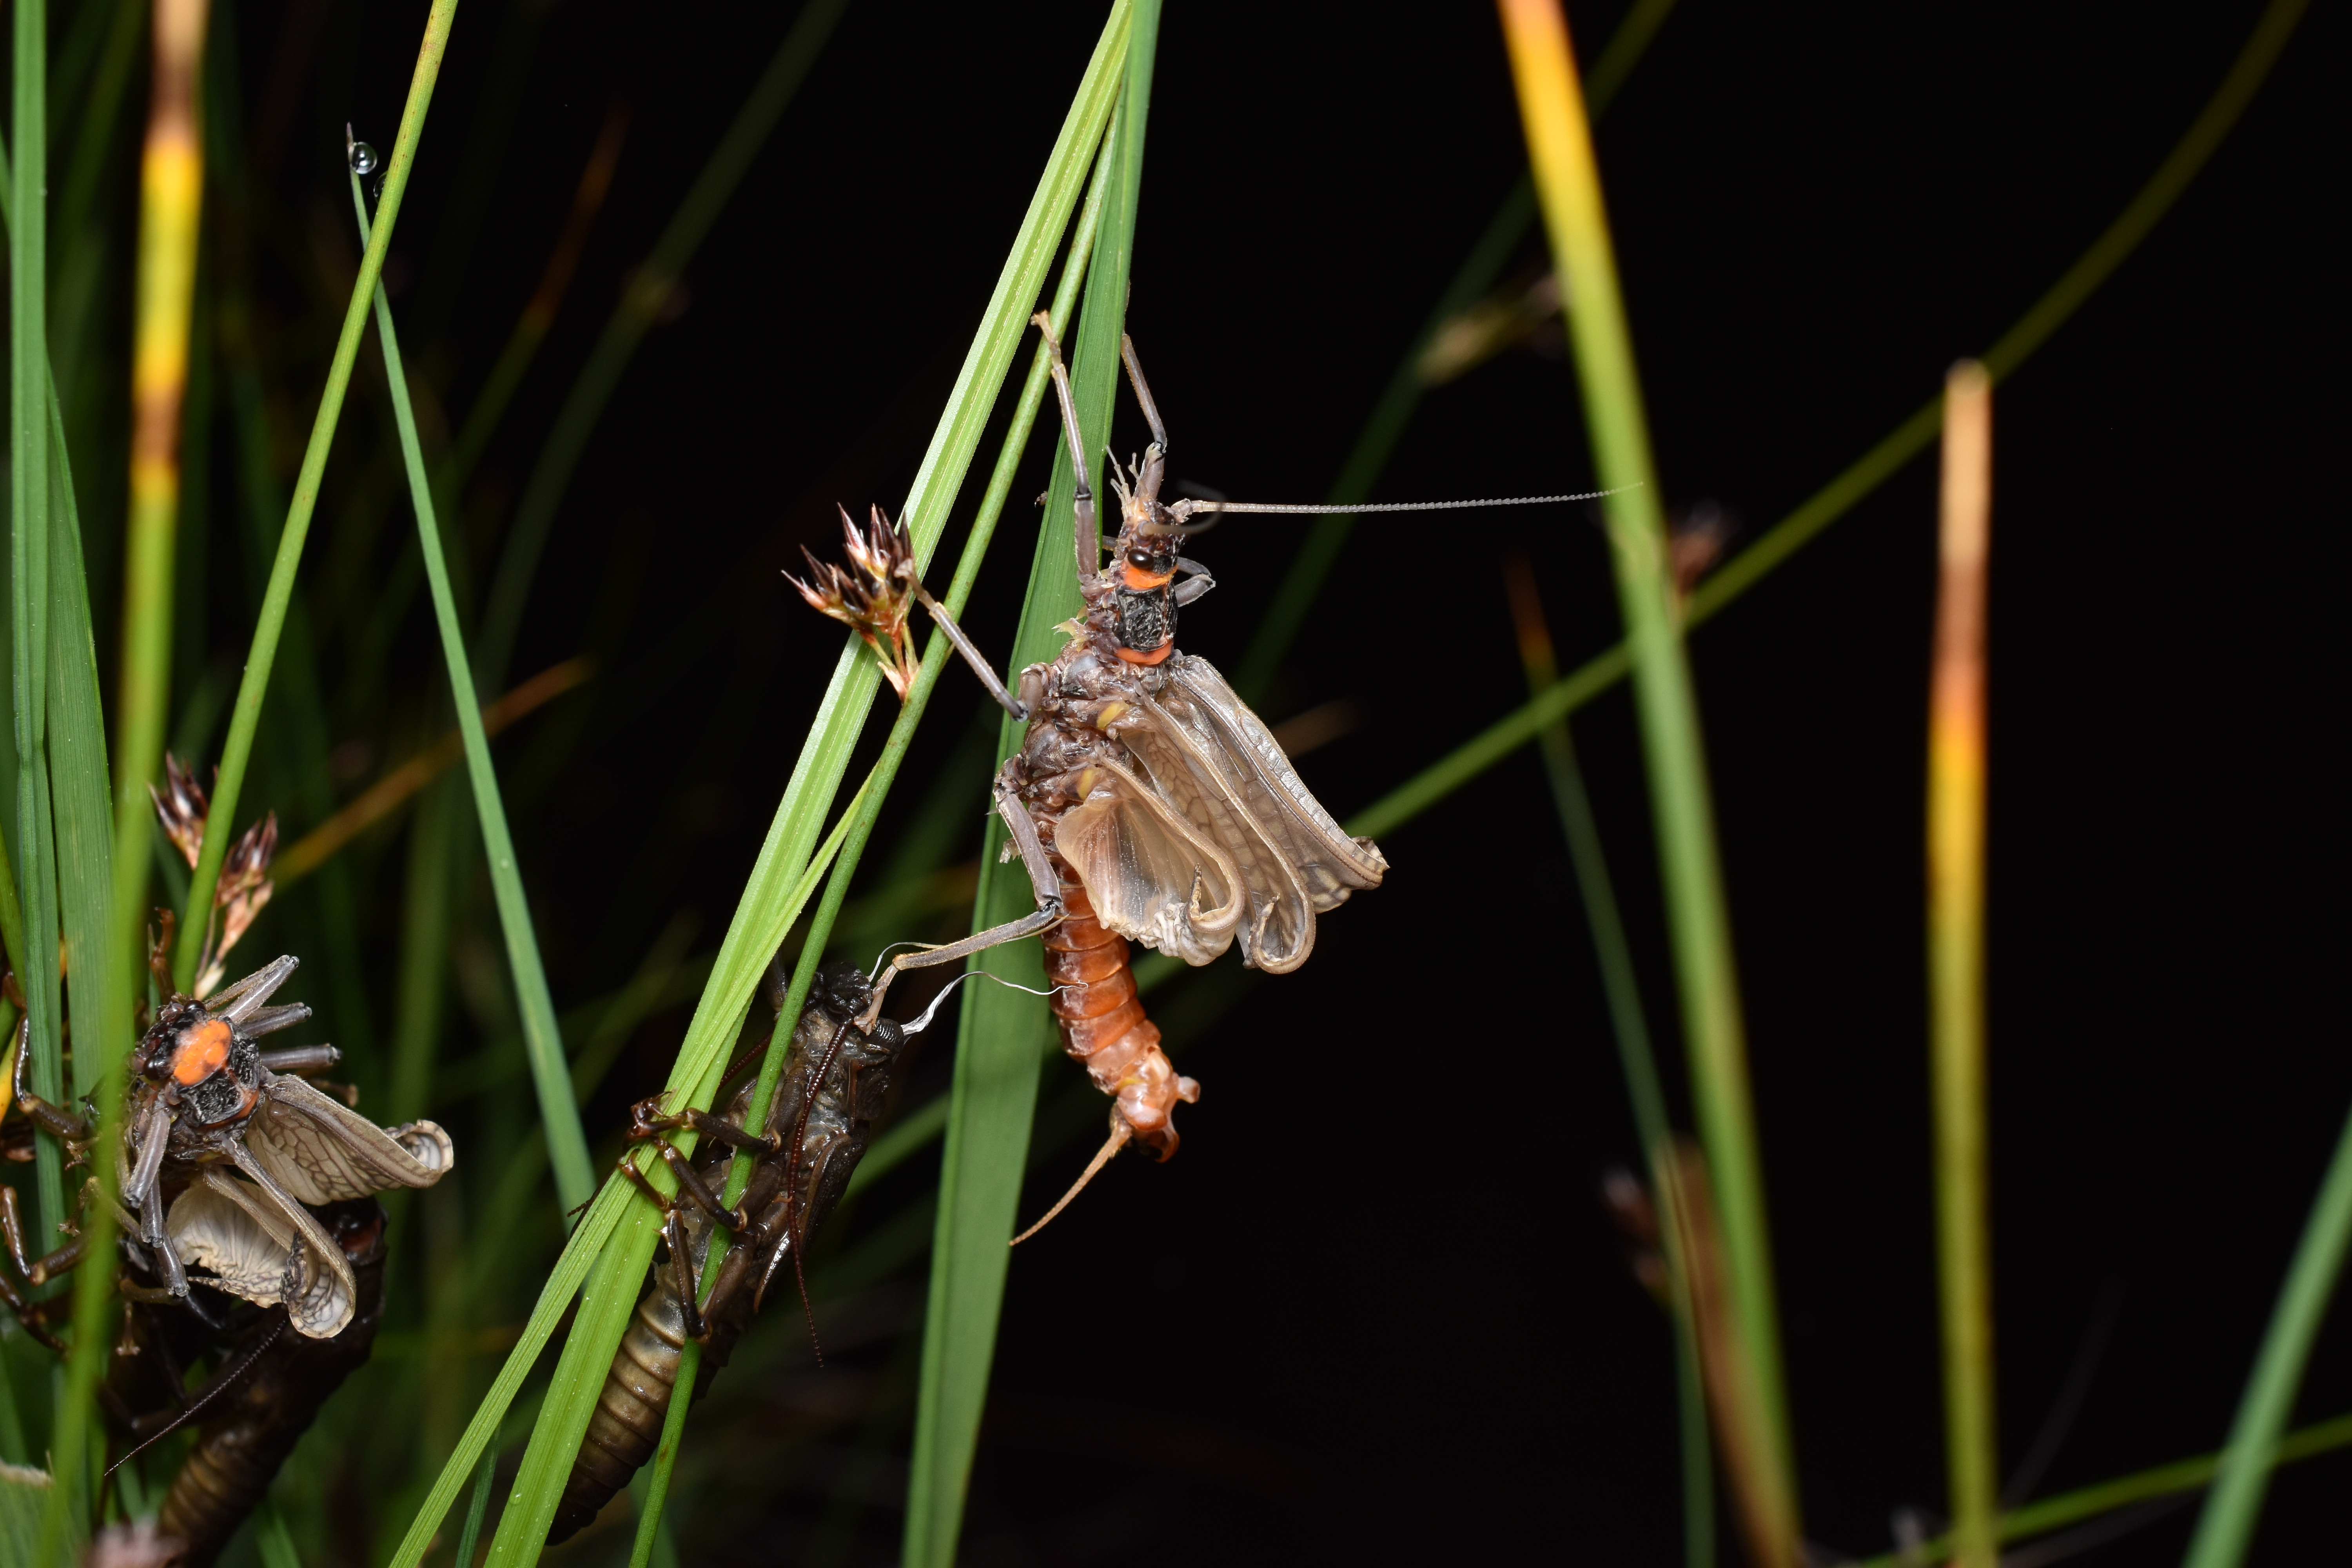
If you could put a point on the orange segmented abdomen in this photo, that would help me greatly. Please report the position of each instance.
(1102, 1022)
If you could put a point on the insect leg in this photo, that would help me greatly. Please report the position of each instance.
(1084, 531)
(159, 1245)
(29, 1314)
(1143, 394)
(644, 1122)
(159, 951)
(692, 1190)
(303, 1061)
(972, 655)
(53, 1119)
(1043, 883)
(35, 1270)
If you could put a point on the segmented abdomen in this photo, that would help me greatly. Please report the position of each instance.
(1103, 1023)
(623, 1433)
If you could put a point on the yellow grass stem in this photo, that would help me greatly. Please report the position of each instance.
(1568, 185)
(171, 200)
(1955, 883)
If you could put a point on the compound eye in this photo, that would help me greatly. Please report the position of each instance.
(1140, 558)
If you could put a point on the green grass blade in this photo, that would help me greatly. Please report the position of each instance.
(567, 1143)
(2226, 1528)
(1568, 185)
(648, 293)
(29, 536)
(937, 658)
(476, 1508)
(273, 1542)
(98, 993)
(238, 752)
(995, 1093)
(1886, 459)
(1326, 537)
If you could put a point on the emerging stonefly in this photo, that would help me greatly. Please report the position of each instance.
(1147, 802)
(205, 1101)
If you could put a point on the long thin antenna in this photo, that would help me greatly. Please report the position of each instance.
(1198, 507)
(218, 1386)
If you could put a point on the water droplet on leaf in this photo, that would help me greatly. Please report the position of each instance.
(364, 159)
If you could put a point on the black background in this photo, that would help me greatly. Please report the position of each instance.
(1376, 1307)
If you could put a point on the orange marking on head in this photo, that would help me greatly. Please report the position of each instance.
(202, 1051)
(1143, 581)
(1154, 657)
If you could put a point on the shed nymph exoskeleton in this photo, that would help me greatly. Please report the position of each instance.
(836, 1080)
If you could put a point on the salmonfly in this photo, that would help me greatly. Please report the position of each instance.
(205, 1100)
(837, 1079)
(249, 1234)
(1147, 802)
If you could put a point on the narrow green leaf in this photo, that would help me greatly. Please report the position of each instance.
(2226, 1528)
(611, 1291)
(29, 536)
(98, 993)
(272, 1540)
(238, 752)
(998, 1052)
(80, 799)
(558, 1112)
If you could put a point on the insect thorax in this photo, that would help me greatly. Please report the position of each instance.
(1147, 619)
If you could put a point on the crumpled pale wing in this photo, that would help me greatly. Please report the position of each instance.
(1151, 873)
(1209, 759)
(1331, 864)
(256, 1249)
(322, 1152)
(1193, 780)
